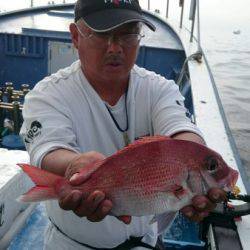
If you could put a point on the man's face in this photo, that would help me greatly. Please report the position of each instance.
(108, 56)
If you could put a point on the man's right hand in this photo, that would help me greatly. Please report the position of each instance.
(93, 206)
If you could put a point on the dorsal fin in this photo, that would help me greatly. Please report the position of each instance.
(141, 141)
(92, 167)
(148, 139)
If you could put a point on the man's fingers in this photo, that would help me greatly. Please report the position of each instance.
(89, 205)
(217, 195)
(101, 212)
(202, 203)
(194, 215)
(198, 217)
(71, 201)
(188, 211)
(78, 178)
(125, 219)
(207, 203)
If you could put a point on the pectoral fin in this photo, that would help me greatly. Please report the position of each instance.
(180, 191)
(194, 182)
(164, 221)
(209, 179)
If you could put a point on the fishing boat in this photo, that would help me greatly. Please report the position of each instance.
(35, 42)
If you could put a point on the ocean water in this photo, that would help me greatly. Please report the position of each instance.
(225, 38)
(229, 57)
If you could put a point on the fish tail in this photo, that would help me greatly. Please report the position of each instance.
(45, 184)
(40, 177)
(36, 194)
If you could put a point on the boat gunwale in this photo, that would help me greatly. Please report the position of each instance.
(36, 9)
(217, 96)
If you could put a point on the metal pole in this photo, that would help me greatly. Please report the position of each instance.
(182, 11)
(198, 26)
(31, 3)
(167, 8)
(148, 4)
(193, 22)
(1, 110)
(9, 91)
(9, 106)
(16, 118)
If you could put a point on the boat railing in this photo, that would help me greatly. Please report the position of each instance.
(194, 10)
(49, 2)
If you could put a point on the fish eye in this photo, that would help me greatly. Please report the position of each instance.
(212, 164)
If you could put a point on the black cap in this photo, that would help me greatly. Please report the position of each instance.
(105, 15)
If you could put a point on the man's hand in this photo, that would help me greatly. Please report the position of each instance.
(203, 205)
(94, 206)
(79, 162)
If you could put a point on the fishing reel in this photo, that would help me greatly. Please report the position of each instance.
(219, 229)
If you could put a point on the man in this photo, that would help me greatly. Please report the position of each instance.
(94, 108)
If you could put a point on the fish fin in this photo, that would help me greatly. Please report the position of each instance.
(148, 139)
(36, 194)
(194, 181)
(209, 179)
(142, 141)
(40, 177)
(164, 221)
(179, 191)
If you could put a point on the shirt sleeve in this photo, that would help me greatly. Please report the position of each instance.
(47, 125)
(169, 114)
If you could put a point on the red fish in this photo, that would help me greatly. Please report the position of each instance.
(151, 176)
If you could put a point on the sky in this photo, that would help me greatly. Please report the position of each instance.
(214, 13)
(230, 10)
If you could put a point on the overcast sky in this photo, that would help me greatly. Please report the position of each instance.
(215, 11)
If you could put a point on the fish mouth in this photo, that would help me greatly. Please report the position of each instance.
(234, 178)
(230, 180)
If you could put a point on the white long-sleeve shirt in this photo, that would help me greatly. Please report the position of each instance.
(64, 111)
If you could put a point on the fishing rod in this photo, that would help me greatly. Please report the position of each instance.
(221, 226)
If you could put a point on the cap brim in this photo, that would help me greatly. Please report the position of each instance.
(106, 20)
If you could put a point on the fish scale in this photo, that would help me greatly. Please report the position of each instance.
(153, 175)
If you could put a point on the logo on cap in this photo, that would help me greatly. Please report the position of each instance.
(117, 2)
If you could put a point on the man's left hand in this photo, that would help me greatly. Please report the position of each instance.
(203, 205)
